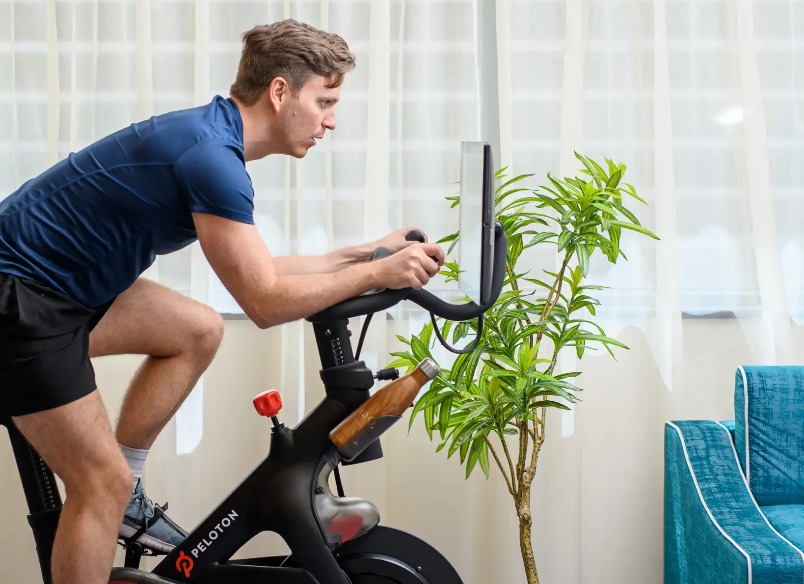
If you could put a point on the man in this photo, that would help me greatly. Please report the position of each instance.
(74, 240)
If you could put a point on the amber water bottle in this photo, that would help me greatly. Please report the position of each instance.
(380, 411)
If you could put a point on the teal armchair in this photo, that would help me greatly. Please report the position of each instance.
(734, 491)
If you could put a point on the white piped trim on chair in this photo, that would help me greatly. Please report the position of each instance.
(745, 407)
(745, 480)
(708, 511)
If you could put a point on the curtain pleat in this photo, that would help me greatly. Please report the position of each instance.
(667, 340)
(53, 85)
(14, 122)
(775, 344)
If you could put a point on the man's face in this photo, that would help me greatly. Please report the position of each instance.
(306, 116)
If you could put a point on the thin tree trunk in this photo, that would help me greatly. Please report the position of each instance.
(525, 524)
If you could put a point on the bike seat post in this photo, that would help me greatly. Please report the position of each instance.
(334, 345)
(41, 493)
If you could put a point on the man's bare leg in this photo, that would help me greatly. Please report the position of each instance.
(77, 442)
(180, 337)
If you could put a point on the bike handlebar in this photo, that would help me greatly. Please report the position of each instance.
(382, 300)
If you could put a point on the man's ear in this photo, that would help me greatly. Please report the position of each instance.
(278, 91)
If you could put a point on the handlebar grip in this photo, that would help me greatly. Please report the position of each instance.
(380, 253)
(415, 235)
(469, 310)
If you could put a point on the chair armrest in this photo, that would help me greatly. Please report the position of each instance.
(714, 531)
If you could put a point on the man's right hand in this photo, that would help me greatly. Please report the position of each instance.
(411, 267)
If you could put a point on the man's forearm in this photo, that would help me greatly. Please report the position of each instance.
(323, 264)
(297, 296)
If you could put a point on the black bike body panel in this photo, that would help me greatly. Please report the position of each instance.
(384, 568)
(250, 574)
(277, 496)
(131, 576)
(383, 556)
(384, 548)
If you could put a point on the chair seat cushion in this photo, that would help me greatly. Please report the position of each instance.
(788, 520)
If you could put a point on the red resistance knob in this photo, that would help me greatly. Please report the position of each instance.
(268, 403)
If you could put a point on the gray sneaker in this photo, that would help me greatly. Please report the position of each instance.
(148, 525)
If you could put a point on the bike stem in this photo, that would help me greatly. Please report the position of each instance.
(345, 380)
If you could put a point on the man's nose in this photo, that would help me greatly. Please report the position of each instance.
(329, 122)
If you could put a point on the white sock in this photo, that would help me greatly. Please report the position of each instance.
(136, 460)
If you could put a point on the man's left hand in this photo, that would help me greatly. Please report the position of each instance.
(395, 240)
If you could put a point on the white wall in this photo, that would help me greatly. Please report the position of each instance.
(597, 498)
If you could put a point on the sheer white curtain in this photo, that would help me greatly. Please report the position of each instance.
(702, 99)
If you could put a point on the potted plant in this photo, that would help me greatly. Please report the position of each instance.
(491, 402)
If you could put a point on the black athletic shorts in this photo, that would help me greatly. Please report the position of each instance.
(44, 347)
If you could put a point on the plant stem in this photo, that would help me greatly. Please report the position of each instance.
(500, 466)
(537, 447)
(554, 295)
(514, 482)
(510, 271)
(525, 537)
(523, 450)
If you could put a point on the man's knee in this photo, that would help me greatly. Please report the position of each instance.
(110, 483)
(206, 332)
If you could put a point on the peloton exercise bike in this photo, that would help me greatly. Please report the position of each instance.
(332, 539)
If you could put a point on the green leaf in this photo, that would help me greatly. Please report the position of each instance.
(401, 362)
(513, 180)
(629, 215)
(544, 236)
(429, 420)
(583, 258)
(501, 197)
(564, 239)
(633, 227)
(602, 339)
(478, 444)
(614, 180)
(631, 191)
(502, 358)
(484, 460)
(426, 335)
(420, 350)
(444, 414)
(550, 404)
(552, 203)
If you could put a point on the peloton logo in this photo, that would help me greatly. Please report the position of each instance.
(209, 540)
(185, 564)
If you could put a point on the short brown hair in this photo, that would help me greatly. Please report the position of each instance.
(292, 50)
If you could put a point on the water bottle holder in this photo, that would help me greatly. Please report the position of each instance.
(368, 434)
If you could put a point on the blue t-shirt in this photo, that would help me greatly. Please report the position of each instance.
(91, 224)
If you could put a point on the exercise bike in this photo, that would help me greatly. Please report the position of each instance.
(332, 539)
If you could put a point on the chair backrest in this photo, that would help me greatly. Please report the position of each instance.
(769, 431)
